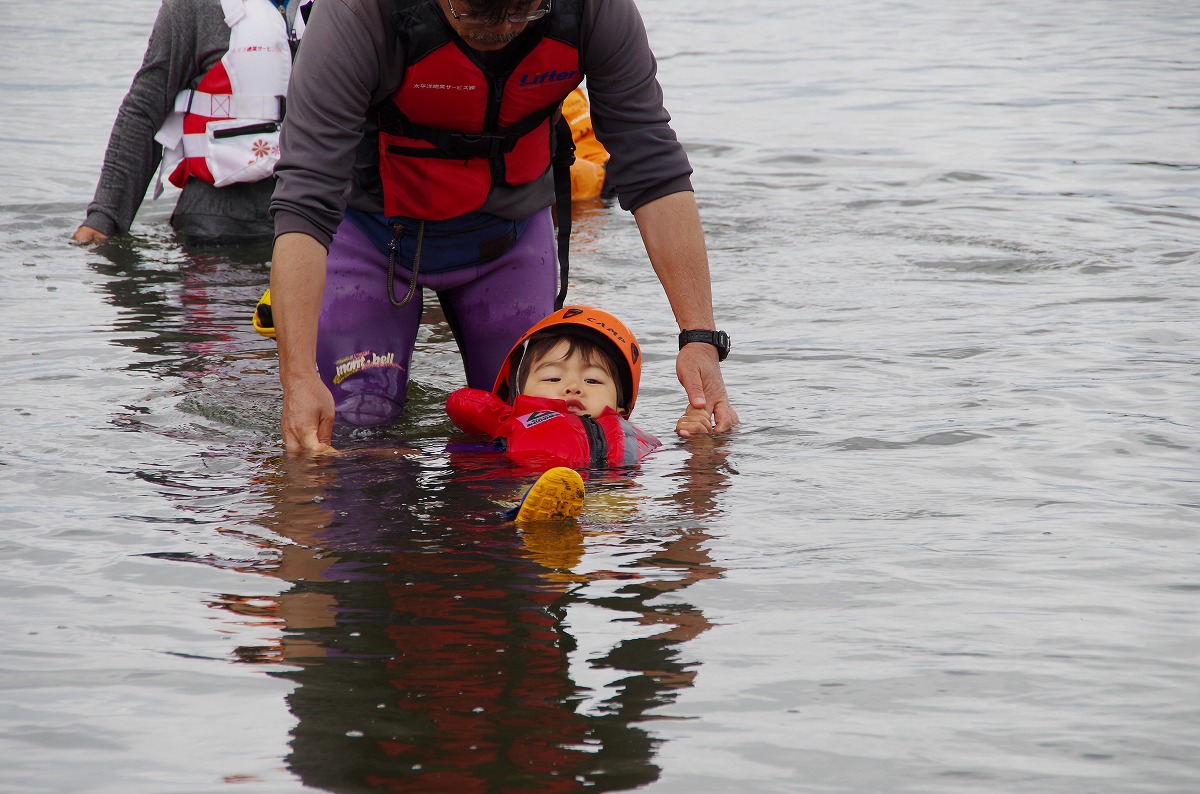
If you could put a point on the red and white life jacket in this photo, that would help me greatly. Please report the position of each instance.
(226, 129)
(453, 129)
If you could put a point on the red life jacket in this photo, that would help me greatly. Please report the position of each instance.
(538, 431)
(453, 129)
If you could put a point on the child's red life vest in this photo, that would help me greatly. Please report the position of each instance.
(539, 431)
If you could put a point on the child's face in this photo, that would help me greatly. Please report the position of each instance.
(587, 387)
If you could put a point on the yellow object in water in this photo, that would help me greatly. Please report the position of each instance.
(556, 496)
(587, 172)
(264, 323)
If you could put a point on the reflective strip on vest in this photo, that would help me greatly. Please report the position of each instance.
(230, 106)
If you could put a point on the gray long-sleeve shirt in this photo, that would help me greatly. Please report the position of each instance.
(352, 60)
(189, 37)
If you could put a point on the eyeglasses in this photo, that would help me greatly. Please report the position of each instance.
(516, 19)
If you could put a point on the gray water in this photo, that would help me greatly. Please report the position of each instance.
(951, 549)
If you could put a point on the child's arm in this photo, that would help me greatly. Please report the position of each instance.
(478, 411)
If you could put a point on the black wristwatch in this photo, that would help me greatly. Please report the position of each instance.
(718, 339)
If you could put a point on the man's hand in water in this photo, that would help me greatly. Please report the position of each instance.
(307, 420)
(708, 408)
(88, 236)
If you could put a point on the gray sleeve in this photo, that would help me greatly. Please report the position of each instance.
(334, 82)
(187, 38)
(647, 161)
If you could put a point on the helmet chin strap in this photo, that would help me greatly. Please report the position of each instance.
(516, 376)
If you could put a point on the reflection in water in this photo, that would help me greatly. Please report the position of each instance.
(197, 291)
(187, 310)
(432, 653)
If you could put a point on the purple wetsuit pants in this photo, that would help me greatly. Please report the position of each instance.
(364, 343)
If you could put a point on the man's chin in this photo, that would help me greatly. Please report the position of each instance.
(490, 41)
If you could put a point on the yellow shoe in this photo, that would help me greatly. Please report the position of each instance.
(556, 496)
(263, 321)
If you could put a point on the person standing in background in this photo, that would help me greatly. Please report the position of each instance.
(204, 112)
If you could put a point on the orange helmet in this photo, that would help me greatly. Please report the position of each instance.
(590, 323)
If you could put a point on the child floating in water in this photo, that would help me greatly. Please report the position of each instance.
(561, 400)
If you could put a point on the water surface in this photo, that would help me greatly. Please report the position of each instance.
(951, 549)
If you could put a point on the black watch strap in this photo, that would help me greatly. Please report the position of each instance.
(718, 339)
